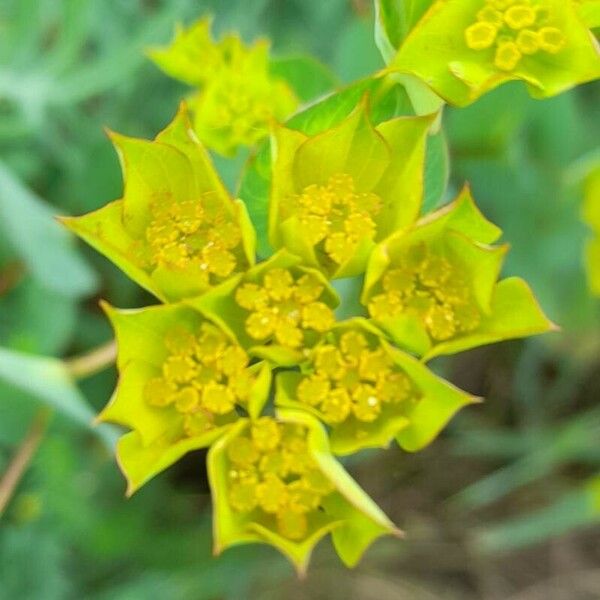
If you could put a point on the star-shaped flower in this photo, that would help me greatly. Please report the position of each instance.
(433, 286)
(176, 232)
(182, 380)
(369, 392)
(465, 48)
(274, 481)
(336, 194)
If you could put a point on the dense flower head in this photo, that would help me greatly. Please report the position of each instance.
(425, 282)
(203, 378)
(272, 472)
(353, 380)
(282, 306)
(195, 236)
(514, 29)
(336, 218)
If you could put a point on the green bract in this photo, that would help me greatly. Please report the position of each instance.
(181, 379)
(464, 48)
(369, 392)
(176, 232)
(285, 489)
(433, 286)
(336, 194)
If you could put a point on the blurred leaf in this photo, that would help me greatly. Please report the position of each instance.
(305, 74)
(48, 380)
(47, 249)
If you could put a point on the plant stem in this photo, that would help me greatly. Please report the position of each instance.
(20, 461)
(92, 362)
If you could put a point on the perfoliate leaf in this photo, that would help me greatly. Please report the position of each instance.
(464, 49)
(176, 232)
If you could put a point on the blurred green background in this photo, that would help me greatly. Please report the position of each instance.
(505, 505)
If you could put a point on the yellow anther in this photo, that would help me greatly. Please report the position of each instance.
(420, 303)
(302, 499)
(173, 255)
(211, 343)
(315, 228)
(245, 473)
(197, 423)
(217, 398)
(317, 316)
(187, 215)
(312, 390)
(368, 203)
(271, 493)
(328, 362)
(315, 480)
(179, 369)
(243, 496)
(434, 271)
(261, 324)
(227, 235)
(292, 525)
(275, 463)
(293, 437)
(401, 281)
(251, 296)
(490, 15)
(519, 16)
(528, 41)
(339, 247)
(551, 39)
(308, 288)
(480, 35)
(454, 291)
(232, 361)
(287, 333)
(507, 56)
(359, 226)
(352, 344)
(266, 434)
(440, 322)
(220, 261)
(350, 379)
(394, 388)
(374, 364)
(241, 385)
(187, 399)
(367, 405)
(157, 392)
(242, 452)
(180, 341)
(279, 284)
(336, 406)
(467, 317)
(385, 305)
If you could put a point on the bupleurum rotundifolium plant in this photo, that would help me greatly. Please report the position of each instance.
(249, 357)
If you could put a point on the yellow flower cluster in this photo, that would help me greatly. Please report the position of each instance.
(427, 285)
(336, 217)
(284, 306)
(354, 378)
(203, 377)
(197, 235)
(271, 471)
(515, 29)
